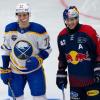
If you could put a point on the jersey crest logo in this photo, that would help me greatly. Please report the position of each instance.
(75, 57)
(81, 40)
(23, 49)
(74, 95)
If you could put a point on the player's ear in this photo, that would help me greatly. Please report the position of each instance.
(16, 17)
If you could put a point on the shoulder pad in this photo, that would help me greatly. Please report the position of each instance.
(63, 32)
(35, 27)
(11, 27)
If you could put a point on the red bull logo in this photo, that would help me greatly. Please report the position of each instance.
(75, 57)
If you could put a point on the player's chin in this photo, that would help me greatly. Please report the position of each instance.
(24, 21)
(72, 26)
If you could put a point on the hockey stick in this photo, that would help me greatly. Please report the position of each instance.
(63, 94)
(13, 95)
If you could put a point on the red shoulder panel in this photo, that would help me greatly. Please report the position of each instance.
(63, 32)
(93, 35)
(89, 31)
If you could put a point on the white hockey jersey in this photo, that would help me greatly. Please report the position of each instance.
(19, 44)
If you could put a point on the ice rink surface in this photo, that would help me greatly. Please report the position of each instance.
(49, 14)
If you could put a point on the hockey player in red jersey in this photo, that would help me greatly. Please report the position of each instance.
(79, 50)
(26, 45)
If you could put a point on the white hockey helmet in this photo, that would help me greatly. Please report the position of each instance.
(22, 7)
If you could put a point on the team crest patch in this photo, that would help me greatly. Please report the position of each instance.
(74, 95)
(14, 37)
(81, 40)
(23, 49)
(75, 57)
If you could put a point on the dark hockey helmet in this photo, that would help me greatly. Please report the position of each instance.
(70, 12)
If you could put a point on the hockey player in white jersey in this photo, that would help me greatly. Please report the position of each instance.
(25, 47)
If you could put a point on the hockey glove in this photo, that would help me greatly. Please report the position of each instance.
(33, 62)
(6, 75)
(97, 76)
(61, 79)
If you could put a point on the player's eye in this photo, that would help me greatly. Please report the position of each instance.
(22, 15)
